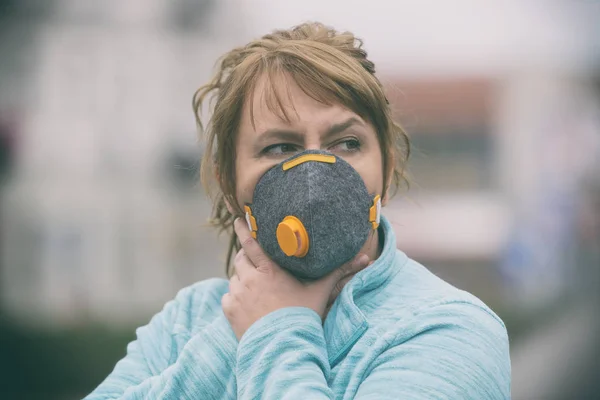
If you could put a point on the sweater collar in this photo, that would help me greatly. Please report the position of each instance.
(345, 322)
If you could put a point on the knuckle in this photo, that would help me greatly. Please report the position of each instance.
(227, 305)
(264, 267)
(260, 261)
(263, 261)
(248, 242)
(239, 256)
(239, 261)
(339, 285)
(337, 288)
(343, 270)
(225, 301)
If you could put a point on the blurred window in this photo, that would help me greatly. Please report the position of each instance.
(452, 159)
(449, 124)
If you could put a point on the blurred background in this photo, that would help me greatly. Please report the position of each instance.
(102, 219)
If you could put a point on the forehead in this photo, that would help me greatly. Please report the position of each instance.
(277, 101)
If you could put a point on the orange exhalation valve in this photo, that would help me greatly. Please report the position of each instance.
(292, 237)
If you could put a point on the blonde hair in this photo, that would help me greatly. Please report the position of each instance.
(330, 67)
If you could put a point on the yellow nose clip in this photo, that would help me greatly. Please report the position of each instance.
(292, 237)
(324, 158)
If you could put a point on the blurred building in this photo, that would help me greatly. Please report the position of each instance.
(495, 97)
(93, 229)
(499, 101)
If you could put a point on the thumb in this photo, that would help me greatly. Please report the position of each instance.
(355, 265)
(350, 268)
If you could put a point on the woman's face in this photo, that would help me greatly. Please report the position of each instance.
(312, 126)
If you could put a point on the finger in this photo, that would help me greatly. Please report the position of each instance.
(242, 264)
(251, 247)
(234, 285)
(337, 288)
(353, 266)
(227, 304)
(356, 264)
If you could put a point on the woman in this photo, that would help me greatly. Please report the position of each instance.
(320, 306)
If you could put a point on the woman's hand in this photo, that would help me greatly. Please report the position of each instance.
(260, 286)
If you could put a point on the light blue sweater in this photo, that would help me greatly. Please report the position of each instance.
(395, 332)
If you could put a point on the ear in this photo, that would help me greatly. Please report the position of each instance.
(388, 183)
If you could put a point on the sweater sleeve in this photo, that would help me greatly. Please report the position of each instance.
(454, 351)
(152, 369)
(283, 356)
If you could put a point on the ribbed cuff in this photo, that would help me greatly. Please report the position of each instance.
(280, 320)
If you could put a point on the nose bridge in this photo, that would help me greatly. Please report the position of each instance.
(313, 145)
(312, 138)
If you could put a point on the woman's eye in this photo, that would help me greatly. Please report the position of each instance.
(282, 148)
(347, 145)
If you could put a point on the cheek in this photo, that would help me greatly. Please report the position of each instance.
(248, 172)
(371, 171)
(244, 185)
(373, 179)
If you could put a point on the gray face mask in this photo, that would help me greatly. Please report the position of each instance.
(312, 213)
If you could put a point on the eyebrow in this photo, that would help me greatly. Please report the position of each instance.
(294, 136)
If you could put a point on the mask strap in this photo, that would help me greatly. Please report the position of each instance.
(375, 212)
(251, 221)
